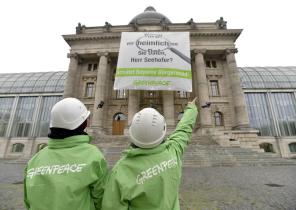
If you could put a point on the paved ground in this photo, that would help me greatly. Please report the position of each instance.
(239, 188)
(213, 188)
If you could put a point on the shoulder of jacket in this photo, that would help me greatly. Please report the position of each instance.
(119, 165)
(37, 156)
(91, 147)
(94, 150)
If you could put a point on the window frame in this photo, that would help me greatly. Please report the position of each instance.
(292, 146)
(214, 88)
(211, 64)
(17, 148)
(219, 116)
(121, 94)
(90, 90)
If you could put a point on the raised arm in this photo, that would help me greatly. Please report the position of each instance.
(182, 135)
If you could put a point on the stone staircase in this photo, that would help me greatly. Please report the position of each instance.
(204, 152)
(204, 140)
(215, 155)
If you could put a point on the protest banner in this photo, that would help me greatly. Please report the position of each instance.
(154, 61)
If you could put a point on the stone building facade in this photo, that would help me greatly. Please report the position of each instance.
(93, 58)
(251, 107)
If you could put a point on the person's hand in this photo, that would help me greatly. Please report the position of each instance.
(193, 102)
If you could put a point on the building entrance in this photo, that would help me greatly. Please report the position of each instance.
(119, 120)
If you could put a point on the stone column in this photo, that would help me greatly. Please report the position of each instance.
(70, 83)
(168, 108)
(98, 119)
(238, 98)
(133, 104)
(202, 88)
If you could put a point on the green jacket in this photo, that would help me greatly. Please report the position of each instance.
(149, 179)
(69, 174)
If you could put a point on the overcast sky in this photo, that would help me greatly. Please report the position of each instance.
(30, 32)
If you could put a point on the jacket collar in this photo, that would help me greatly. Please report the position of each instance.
(71, 141)
(132, 152)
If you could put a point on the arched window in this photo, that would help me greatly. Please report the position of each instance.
(41, 146)
(119, 116)
(180, 115)
(18, 147)
(267, 147)
(218, 119)
(292, 147)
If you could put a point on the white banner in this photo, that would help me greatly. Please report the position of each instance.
(154, 61)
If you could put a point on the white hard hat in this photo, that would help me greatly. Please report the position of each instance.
(148, 128)
(68, 113)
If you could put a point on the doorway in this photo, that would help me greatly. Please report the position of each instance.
(119, 120)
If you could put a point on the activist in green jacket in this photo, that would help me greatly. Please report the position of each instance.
(70, 173)
(149, 174)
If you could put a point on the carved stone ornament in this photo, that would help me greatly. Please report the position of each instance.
(214, 76)
(72, 55)
(135, 25)
(229, 51)
(79, 28)
(89, 78)
(103, 54)
(216, 109)
(107, 26)
(76, 57)
(191, 23)
(164, 25)
(221, 23)
(202, 51)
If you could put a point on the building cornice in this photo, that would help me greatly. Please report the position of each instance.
(234, 33)
(80, 37)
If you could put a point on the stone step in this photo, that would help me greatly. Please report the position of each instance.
(213, 155)
(197, 155)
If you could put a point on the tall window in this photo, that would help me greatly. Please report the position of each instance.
(259, 113)
(218, 118)
(92, 66)
(89, 89)
(211, 64)
(285, 110)
(5, 109)
(120, 94)
(95, 66)
(43, 124)
(18, 147)
(23, 119)
(214, 87)
(183, 94)
(89, 67)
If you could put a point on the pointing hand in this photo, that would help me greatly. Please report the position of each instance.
(193, 102)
